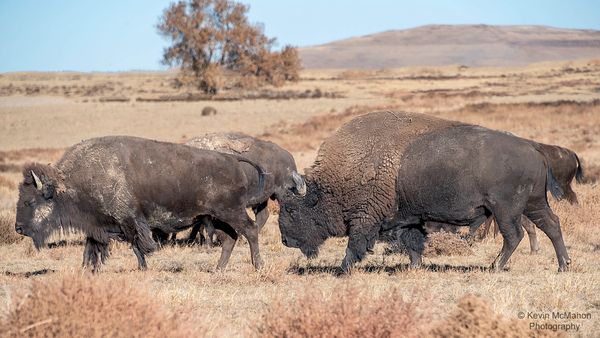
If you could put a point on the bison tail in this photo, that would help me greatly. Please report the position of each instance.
(261, 173)
(579, 176)
(553, 186)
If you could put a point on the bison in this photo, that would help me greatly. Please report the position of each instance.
(385, 171)
(279, 164)
(121, 187)
(566, 166)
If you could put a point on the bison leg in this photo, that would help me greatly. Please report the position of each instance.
(570, 194)
(413, 239)
(512, 233)
(486, 227)
(549, 223)
(262, 214)
(160, 236)
(358, 244)
(198, 228)
(534, 245)
(139, 234)
(210, 234)
(251, 233)
(94, 254)
(227, 235)
(474, 225)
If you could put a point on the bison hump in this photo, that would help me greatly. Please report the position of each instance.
(359, 164)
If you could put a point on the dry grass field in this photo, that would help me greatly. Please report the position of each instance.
(181, 294)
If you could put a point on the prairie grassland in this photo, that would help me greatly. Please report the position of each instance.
(557, 103)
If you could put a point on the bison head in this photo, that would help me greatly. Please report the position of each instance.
(36, 204)
(300, 222)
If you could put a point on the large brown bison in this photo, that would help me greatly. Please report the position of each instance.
(122, 187)
(390, 170)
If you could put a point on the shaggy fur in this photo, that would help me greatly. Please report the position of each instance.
(386, 170)
(122, 187)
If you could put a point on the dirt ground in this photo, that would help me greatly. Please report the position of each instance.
(557, 103)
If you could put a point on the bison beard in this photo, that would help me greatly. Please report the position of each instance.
(389, 170)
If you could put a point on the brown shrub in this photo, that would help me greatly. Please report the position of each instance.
(88, 306)
(8, 235)
(446, 244)
(473, 317)
(345, 313)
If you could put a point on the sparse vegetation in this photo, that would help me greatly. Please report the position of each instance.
(347, 312)
(7, 228)
(84, 306)
(541, 103)
(473, 317)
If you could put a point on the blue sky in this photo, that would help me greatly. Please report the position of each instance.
(117, 35)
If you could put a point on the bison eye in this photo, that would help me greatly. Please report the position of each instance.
(28, 203)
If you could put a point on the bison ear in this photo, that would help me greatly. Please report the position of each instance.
(48, 191)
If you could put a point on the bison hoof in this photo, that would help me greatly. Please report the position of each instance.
(258, 263)
(564, 267)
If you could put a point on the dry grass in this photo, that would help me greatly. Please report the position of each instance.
(346, 312)
(7, 228)
(446, 244)
(474, 317)
(548, 103)
(84, 306)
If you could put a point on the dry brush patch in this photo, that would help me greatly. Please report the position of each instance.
(473, 317)
(347, 312)
(8, 234)
(88, 306)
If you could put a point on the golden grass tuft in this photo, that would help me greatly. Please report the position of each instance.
(473, 317)
(88, 306)
(8, 235)
(446, 244)
(346, 312)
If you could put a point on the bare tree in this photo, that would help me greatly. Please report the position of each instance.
(212, 40)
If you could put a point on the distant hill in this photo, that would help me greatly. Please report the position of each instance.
(469, 45)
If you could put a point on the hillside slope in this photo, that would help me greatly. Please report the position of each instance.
(470, 45)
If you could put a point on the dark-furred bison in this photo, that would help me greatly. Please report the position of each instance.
(122, 187)
(277, 162)
(390, 170)
(566, 166)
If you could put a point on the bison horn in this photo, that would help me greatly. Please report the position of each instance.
(37, 181)
(300, 184)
